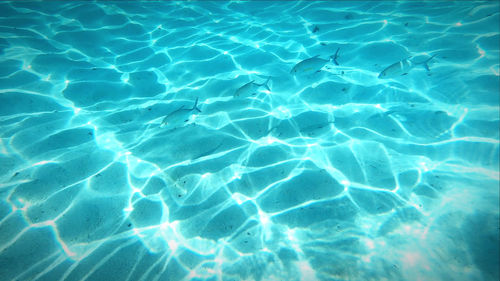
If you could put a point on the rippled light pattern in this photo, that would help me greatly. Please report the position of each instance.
(109, 172)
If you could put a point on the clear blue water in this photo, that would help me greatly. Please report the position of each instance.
(296, 168)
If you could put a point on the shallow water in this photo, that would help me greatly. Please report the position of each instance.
(330, 174)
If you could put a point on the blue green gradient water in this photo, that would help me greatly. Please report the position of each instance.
(329, 175)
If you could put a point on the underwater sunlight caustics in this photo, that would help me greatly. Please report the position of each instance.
(249, 140)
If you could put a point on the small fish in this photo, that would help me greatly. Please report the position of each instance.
(335, 57)
(316, 129)
(315, 29)
(313, 64)
(179, 118)
(402, 67)
(251, 88)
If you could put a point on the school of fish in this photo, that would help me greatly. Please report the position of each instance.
(182, 116)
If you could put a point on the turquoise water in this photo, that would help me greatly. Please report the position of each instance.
(383, 167)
